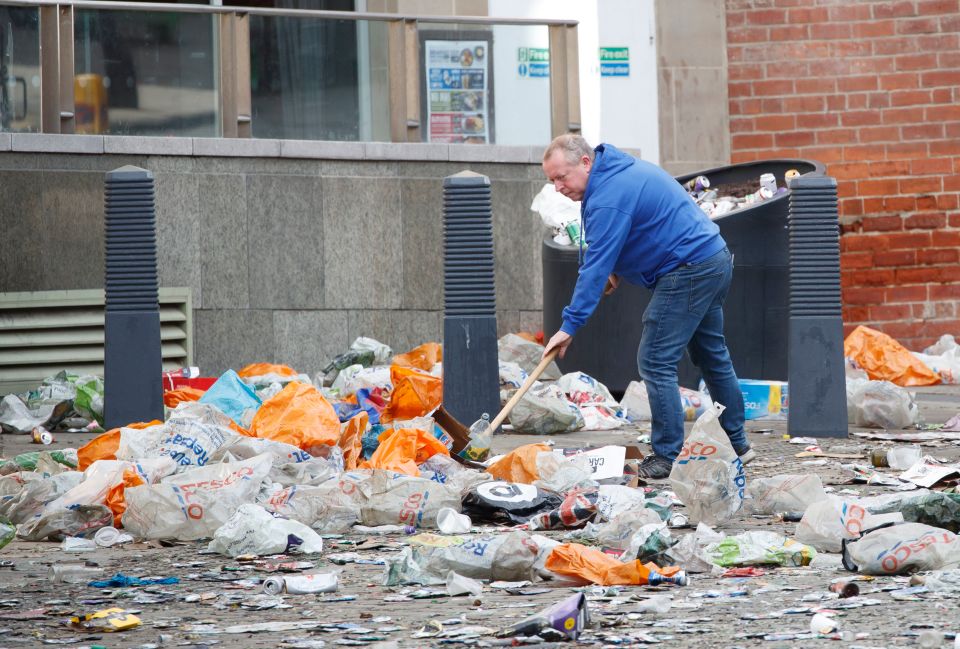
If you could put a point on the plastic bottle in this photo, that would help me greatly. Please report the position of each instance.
(73, 573)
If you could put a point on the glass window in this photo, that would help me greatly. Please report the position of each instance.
(140, 73)
(19, 69)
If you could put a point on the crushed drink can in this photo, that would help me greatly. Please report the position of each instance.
(656, 579)
(697, 184)
(769, 183)
(42, 436)
(790, 175)
(573, 231)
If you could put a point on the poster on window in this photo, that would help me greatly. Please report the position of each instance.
(457, 91)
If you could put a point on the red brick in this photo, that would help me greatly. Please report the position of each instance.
(858, 84)
(878, 100)
(954, 220)
(952, 130)
(910, 240)
(881, 187)
(808, 15)
(855, 314)
(816, 86)
(741, 124)
(748, 35)
(882, 223)
(740, 88)
(925, 7)
(874, 29)
(818, 120)
(795, 138)
(942, 95)
(887, 312)
(890, 168)
(940, 78)
(851, 207)
(836, 102)
(925, 221)
(894, 9)
(863, 152)
(746, 107)
(895, 258)
(884, 46)
(870, 64)
(938, 256)
(899, 203)
(907, 293)
(947, 201)
(922, 132)
(950, 23)
(937, 42)
(752, 141)
(864, 295)
(849, 170)
(735, 18)
(872, 277)
(942, 113)
(921, 185)
(868, 241)
(951, 183)
(906, 150)
(784, 33)
(745, 72)
(856, 101)
(878, 134)
(947, 147)
(918, 26)
(909, 97)
(849, 12)
(775, 123)
(904, 80)
(944, 292)
(801, 104)
(916, 62)
(828, 31)
(926, 202)
(767, 17)
(774, 105)
(948, 59)
(772, 87)
(852, 260)
(918, 275)
(825, 154)
(909, 115)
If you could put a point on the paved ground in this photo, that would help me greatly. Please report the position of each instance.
(215, 593)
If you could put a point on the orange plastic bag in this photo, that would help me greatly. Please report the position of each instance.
(297, 415)
(519, 465)
(423, 357)
(104, 446)
(593, 566)
(172, 398)
(884, 359)
(259, 369)
(414, 394)
(402, 449)
(350, 439)
(115, 497)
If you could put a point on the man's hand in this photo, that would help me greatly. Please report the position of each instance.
(612, 283)
(560, 340)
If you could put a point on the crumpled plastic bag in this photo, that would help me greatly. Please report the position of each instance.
(935, 508)
(57, 523)
(259, 375)
(636, 402)
(527, 354)
(592, 566)
(194, 504)
(191, 436)
(507, 556)
(615, 500)
(784, 493)
(423, 357)
(402, 449)
(584, 390)
(545, 410)
(512, 375)
(105, 445)
(404, 500)
(173, 398)
(351, 433)
(19, 418)
(690, 552)
(234, 398)
(554, 208)
(707, 475)
(298, 415)
(24, 495)
(902, 549)
(618, 532)
(500, 501)
(519, 465)
(244, 448)
(759, 549)
(253, 530)
(414, 394)
(7, 531)
(880, 404)
(560, 474)
(329, 508)
(884, 359)
(369, 378)
(827, 523)
(579, 506)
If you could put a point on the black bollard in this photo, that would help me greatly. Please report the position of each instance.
(817, 383)
(471, 375)
(132, 364)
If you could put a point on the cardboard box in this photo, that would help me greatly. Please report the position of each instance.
(765, 399)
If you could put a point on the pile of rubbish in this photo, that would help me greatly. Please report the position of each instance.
(717, 201)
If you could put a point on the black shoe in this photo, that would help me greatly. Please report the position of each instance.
(654, 467)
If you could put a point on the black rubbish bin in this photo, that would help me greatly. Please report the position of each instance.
(756, 311)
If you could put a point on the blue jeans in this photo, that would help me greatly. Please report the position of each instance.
(686, 311)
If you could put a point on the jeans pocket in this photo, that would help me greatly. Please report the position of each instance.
(703, 292)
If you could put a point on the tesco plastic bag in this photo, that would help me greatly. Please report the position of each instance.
(902, 549)
(584, 390)
(707, 475)
(508, 556)
(827, 523)
(191, 436)
(512, 375)
(525, 353)
(636, 403)
(253, 530)
(397, 499)
(545, 410)
(784, 493)
(325, 508)
(194, 504)
(880, 404)
(758, 549)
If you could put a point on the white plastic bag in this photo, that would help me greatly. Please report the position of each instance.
(636, 403)
(527, 354)
(614, 500)
(690, 552)
(880, 404)
(554, 208)
(381, 353)
(253, 530)
(827, 523)
(395, 499)
(325, 508)
(508, 556)
(597, 417)
(785, 493)
(191, 436)
(708, 475)
(545, 410)
(194, 504)
(511, 375)
(901, 549)
(583, 390)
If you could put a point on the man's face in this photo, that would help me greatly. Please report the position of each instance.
(569, 179)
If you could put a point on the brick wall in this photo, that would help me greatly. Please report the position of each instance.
(872, 89)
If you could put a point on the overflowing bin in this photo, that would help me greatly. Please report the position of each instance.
(756, 311)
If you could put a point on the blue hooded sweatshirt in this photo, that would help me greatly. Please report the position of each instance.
(639, 223)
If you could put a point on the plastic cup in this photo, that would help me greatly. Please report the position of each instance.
(452, 522)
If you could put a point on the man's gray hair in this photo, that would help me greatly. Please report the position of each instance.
(573, 146)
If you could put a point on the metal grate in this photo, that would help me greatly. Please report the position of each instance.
(814, 247)
(43, 332)
(468, 284)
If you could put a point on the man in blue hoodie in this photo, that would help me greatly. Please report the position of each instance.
(641, 226)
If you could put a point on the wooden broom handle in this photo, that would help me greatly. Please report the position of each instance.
(534, 375)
